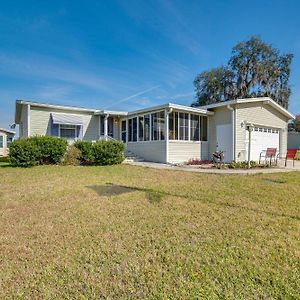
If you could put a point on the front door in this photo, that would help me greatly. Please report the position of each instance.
(224, 141)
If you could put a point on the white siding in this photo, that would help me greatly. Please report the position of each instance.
(182, 151)
(294, 140)
(258, 114)
(3, 150)
(150, 151)
(40, 122)
(24, 130)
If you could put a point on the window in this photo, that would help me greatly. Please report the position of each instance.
(161, 125)
(183, 126)
(154, 127)
(173, 126)
(123, 131)
(146, 127)
(9, 140)
(1, 141)
(158, 126)
(203, 128)
(132, 130)
(195, 126)
(67, 131)
(141, 128)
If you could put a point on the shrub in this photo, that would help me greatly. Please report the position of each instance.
(72, 156)
(4, 159)
(52, 149)
(108, 152)
(199, 162)
(24, 154)
(37, 150)
(242, 164)
(86, 151)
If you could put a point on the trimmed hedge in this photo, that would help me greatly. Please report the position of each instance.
(40, 150)
(101, 152)
(51, 149)
(37, 150)
(108, 152)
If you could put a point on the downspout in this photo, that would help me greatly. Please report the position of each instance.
(233, 122)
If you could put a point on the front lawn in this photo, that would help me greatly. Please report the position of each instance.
(124, 232)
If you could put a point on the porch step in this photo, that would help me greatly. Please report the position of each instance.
(132, 157)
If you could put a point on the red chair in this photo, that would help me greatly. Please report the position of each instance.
(291, 154)
(268, 154)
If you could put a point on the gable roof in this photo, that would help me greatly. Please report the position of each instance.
(265, 100)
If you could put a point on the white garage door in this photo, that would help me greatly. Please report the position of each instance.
(261, 139)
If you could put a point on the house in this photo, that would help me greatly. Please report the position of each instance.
(6, 138)
(168, 133)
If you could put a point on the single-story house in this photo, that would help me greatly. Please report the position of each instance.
(168, 133)
(6, 138)
(293, 140)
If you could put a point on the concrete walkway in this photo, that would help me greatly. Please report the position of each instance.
(279, 169)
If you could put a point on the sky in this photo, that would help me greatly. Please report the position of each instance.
(127, 55)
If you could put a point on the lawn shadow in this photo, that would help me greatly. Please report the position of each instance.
(154, 196)
(111, 189)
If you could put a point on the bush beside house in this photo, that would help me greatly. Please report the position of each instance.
(101, 152)
(40, 150)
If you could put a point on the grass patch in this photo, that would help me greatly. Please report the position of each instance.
(124, 232)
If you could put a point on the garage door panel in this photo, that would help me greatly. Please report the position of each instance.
(261, 139)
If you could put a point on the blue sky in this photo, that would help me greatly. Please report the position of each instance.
(130, 54)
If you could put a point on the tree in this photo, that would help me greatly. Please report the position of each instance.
(294, 125)
(255, 69)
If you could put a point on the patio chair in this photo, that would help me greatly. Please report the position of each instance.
(291, 154)
(270, 153)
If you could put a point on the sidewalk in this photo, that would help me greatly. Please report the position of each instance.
(279, 169)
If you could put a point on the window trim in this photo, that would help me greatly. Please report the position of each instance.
(75, 131)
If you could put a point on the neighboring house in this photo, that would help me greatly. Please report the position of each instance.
(6, 138)
(293, 140)
(168, 133)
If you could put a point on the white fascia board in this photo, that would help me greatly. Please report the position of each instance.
(173, 106)
(73, 108)
(111, 112)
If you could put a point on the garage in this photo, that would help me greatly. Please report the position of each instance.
(261, 139)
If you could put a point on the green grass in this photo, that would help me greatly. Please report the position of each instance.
(125, 232)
